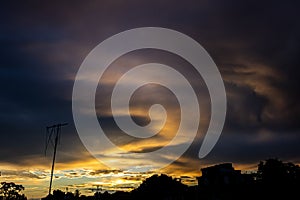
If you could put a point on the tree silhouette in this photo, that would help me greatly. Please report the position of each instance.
(277, 179)
(12, 191)
(160, 187)
(274, 172)
(77, 194)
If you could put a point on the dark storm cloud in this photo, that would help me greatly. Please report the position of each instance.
(255, 45)
(250, 149)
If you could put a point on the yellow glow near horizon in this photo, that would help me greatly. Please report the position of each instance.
(72, 176)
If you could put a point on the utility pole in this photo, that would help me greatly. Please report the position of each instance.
(51, 131)
(97, 193)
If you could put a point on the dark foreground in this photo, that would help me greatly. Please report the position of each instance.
(274, 179)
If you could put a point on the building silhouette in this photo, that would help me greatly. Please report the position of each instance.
(223, 182)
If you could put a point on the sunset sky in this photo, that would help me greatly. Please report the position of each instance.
(255, 45)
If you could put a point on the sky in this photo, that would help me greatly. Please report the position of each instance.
(255, 45)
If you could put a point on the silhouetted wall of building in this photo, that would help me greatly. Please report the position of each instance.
(220, 175)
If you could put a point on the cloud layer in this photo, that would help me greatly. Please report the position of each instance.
(254, 44)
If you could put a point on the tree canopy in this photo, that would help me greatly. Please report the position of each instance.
(12, 191)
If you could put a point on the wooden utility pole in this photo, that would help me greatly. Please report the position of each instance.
(51, 131)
